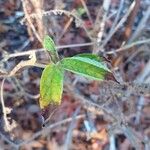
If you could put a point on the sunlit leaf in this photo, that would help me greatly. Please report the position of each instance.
(93, 56)
(86, 67)
(49, 44)
(51, 85)
(90, 56)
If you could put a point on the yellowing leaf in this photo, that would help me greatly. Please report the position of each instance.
(86, 67)
(51, 85)
(49, 44)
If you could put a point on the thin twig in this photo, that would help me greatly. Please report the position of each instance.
(29, 21)
(145, 73)
(98, 17)
(65, 28)
(139, 50)
(125, 47)
(109, 35)
(131, 136)
(121, 49)
(106, 5)
(6, 123)
(69, 133)
(30, 52)
(47, 129)
(87, 11)
(10, 142)
(130, 21)
(120, 22)
(22, 64)
(44, 130)
(141, 26)
(112, 142)
(61, 12)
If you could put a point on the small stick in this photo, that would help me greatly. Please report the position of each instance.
(113, 26)
(47, 129)
(141, 25)
(69, 133)
(29, 21)
(130, 20)
(6, 123)
(121, 49)
(106, 5)
(87, 11)
(120, 22)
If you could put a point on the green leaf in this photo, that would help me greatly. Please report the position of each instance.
(90, 56)
(80, 11)
(86, 67)
(49, 44)
(51, 85)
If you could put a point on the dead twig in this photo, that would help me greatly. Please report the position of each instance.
(141, 26)
(106, 5)
(30, 62)
(47, 129)
(113, 26)
(69, 133)
(24, 4)
(79, 22)
(6, 123)
(130, 20)
(128, 46)
(87, 11)
(144, 74)
(121, 22)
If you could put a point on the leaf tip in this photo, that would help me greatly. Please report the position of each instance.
(43, 103)
(49, 44)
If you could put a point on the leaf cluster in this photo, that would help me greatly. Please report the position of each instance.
(51, 83)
